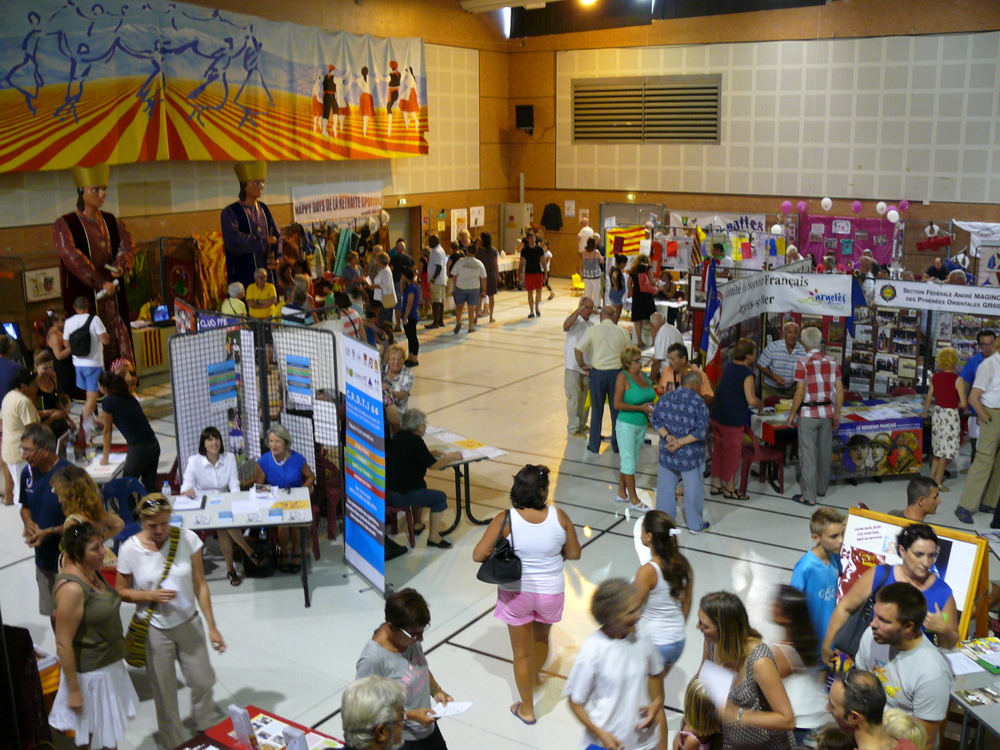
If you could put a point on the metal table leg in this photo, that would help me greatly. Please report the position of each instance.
(462, 472)
(303, 546)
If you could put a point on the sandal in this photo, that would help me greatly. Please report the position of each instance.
(801, 500)
(734, 494)
(234, 578)
(295, 564)
(715, 491)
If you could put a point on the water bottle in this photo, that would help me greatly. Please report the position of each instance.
(70, 453)
(166, 489)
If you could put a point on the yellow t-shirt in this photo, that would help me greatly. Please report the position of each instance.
(145, 313)
(255, 293)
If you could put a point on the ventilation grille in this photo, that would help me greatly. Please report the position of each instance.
(655, 109)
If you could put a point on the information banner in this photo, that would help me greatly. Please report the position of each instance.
(336, 203)
(364, 462)
(887, 447)
(711, 221)
(922, 295)
(779, 292)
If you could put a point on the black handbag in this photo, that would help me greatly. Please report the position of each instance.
(503, 565)
(848, 638)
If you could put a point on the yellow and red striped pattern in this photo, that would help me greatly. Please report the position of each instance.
(114, 127)
(631, 236)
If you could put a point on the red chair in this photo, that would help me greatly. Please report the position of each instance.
(902, 391)
(392, 518)
(772, 401)
(329, 478)
(852, 396)
(759, 452)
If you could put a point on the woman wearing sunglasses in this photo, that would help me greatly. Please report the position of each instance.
(396, 651)
(176, 632)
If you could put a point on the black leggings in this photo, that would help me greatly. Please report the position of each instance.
(410, 329)
(142, 462)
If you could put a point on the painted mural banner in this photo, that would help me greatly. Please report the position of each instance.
(165, 81)
(779, 292)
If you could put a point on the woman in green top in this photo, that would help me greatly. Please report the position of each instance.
(95, 695)
(634, 401)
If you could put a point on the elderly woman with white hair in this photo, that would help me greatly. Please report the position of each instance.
(406, 465)
(234, 304)
(284, 468)
(371, 712)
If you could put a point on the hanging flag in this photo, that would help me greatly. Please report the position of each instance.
(626, 238)
(710, 354)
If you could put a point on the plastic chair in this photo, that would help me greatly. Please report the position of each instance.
(578, 287)
(329, 476)
(122, 496)
(902, 391)
(392, 518)
(756, 452)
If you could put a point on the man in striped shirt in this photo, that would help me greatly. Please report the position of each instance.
(819, 395)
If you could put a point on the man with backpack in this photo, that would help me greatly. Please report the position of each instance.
(87, 338)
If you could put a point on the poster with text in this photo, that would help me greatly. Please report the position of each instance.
(364, 464)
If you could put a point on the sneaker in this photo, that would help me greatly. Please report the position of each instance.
(704, 527)
(963, 515)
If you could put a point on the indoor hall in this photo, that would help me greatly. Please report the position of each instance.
(501, 385)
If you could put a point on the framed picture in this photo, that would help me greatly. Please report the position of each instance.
(697, 293)
(41, 284)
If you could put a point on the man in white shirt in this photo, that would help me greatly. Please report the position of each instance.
(983, 481)
(574, 377)
(585, 233)
(916, 676)
(87, 368)
(665, 335)
(437, 279)
(777, 363)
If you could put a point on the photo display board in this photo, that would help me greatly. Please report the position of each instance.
(870, 540)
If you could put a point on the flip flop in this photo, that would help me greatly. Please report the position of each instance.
(513, 710)
(734, 494)
(801, 501)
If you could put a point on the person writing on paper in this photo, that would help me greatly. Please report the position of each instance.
(615, 688)
(176, 633)
(371, 713)
(543, 537)
(214, 470)
(918, 548)
(407, 463)
(284, 468)
(121, 409)
(757, 714)
(396, 651)
(96, 698)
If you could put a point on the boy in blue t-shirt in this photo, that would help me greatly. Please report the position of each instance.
(817, 572)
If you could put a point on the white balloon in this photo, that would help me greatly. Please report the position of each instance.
(881, 207)
(826, 203)
(777, 229)
(893, 216)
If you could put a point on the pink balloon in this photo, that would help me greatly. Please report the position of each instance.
(856, 207)
(892, 208)
(904, 204)
(786, 207)
(802, 207)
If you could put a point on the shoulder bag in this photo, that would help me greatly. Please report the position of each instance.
(503, 565)
(138, 627)
(646, 283)
(848, 638)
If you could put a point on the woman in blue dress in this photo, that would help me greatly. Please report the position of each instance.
(284, 468)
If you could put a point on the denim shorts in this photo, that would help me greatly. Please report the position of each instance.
(466, 296)
(670, 652)
(86, 378)
(617, 296)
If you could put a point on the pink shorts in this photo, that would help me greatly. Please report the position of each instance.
(533, 281)
(522, 607)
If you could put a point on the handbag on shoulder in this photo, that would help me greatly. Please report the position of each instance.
(138, 627)
(503, 565)
(848, 638)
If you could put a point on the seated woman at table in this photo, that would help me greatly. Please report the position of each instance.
(407, 462)
(121, 409)
(53, 407)
(214, 470)
(284, 468)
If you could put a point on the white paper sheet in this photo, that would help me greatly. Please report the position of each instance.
(183, 502)
(718, 681)
(180, 601)
(441, 710)
(249, 505)
(448, 437)
(961, 664)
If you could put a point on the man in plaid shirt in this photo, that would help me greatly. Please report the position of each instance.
(819, 394)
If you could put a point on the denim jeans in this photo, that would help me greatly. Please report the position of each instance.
(694, 494)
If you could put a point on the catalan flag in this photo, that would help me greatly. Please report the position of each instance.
(625, 240)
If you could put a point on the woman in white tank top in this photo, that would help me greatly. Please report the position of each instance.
(543, 537)
(665, 584)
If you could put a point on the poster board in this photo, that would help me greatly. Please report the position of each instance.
(870, 540)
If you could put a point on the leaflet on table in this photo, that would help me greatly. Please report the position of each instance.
(961, 664)
(183, 502)
(270, 735)
(487, 451)
(448, 437)
(249, 505)
(433, 429)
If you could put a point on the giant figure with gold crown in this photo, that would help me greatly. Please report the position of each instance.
(249, 233)
(96, 250)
